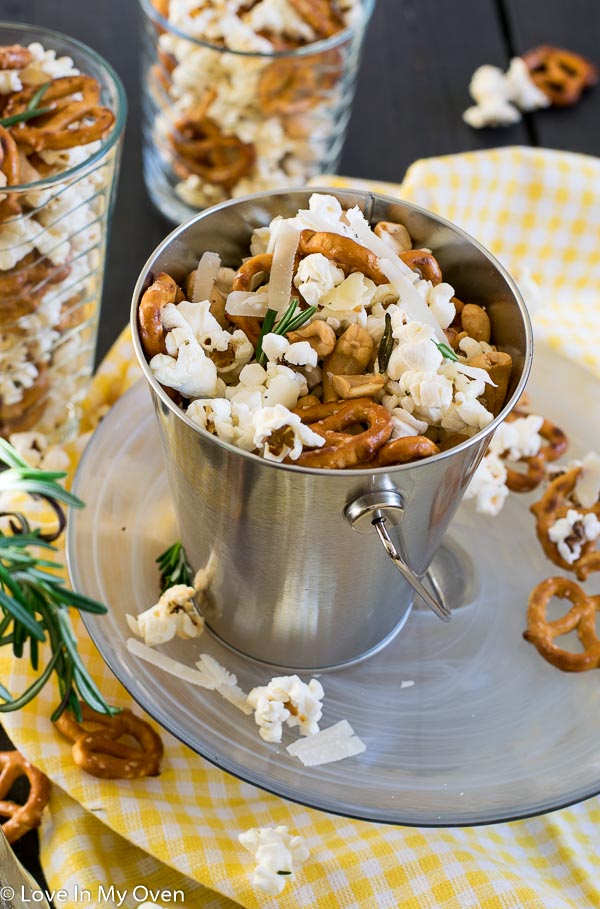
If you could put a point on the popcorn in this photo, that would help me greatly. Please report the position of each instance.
(37, 451)
(571, 532)
(518, 439)
(192, 373)
(316, 276)
(278, 855)
(174, 615)
(488, 485)
(287, 700)
(278, 434)
(501, 97)
(214, 415)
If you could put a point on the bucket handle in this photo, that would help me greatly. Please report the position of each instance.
(367, 513)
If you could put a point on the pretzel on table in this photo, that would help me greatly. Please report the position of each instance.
(556, 446)
(581, 617)
(554, 504)
(26, 817)
(561, 75)
(97, 749)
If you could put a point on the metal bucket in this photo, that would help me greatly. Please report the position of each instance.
(299, 576)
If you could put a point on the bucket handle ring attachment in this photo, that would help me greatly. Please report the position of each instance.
(366, 514)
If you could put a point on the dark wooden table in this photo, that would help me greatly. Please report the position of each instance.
(413, 87)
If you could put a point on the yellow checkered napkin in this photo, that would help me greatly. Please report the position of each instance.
(178, 832)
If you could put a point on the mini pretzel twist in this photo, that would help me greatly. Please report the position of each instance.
(152, 334)
(21, 818)
(97, 750)
(58, 130)
(556, 446)
(581, 618)
(323, 16)
(15, 56)
(344, 449)
(345, 252)
(560, 74)
(553, 505)
(245, 279)
(403, 451)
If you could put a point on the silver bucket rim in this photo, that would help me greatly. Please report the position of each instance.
(369, 196)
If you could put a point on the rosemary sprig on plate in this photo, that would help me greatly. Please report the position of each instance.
(174, 567)
(34, 604)
(290, 321)
(446, 351)
(32, 110)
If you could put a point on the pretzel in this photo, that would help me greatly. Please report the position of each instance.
(287, 87)
(342, 450)
(402, 451)
(581, 618)
(15, 56)
(9, 413)
(11, 168)
(425, 263)
(152, 334)
(345, 252)
(553, 505)
(536, 464)
(561, 75)
(21, 818)
(56, 131)
(98, 751)
(323, 16)
(245, 279)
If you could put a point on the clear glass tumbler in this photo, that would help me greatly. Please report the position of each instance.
(220, 123)
(58, 175)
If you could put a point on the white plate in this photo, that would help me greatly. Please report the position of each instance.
(488, 731)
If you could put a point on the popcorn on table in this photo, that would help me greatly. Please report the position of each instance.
(512, 441)
(500, 97)
(278, 855)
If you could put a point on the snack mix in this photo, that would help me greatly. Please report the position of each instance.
(329, 327)
(51, 236)
(225, 116)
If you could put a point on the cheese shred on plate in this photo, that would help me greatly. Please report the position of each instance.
(332, 744)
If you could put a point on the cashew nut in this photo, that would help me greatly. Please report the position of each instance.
(319, 335)
(499, 367)
(395, 235)
(349, 387)
(350, 357)
(476, 322)
(308, 401)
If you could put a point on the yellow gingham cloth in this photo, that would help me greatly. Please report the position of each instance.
(178, 832)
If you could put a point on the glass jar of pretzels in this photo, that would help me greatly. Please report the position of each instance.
(62, 111)
(240, 102)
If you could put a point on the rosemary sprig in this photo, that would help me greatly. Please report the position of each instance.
(290, 321)
(34, 603)
(174, 567)
(446, 351)
(386, 345)
(32, 110)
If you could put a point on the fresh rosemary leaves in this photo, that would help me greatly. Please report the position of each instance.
(446, 351)
(34, 604)
(174, 567)
(290, 321)
(32, 110)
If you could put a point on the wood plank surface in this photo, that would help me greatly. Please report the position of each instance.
(574, 25)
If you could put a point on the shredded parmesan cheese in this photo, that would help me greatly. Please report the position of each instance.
(173, 667)
(206, 275)
(282, 268)
(331, 744)
(244, 303)
(410, 299)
